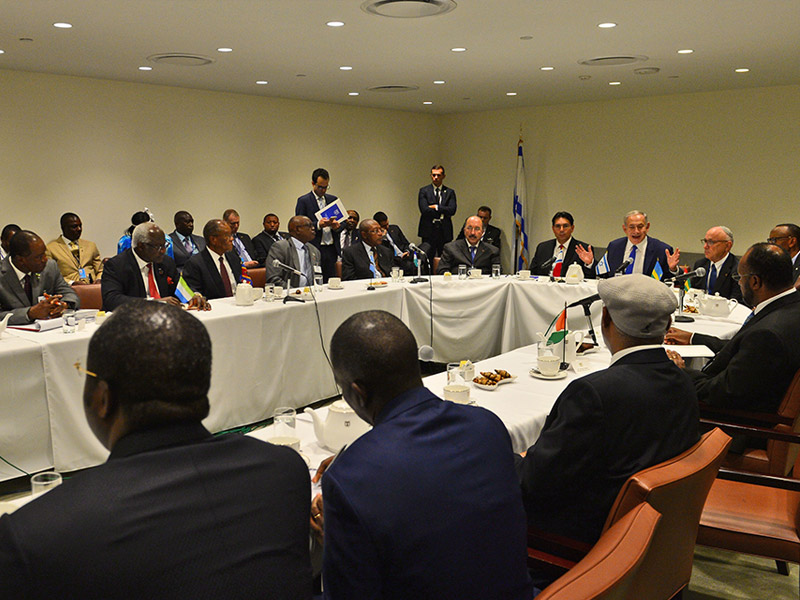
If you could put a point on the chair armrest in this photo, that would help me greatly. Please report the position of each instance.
(557, 550)
(754, 431)
(738, 414)
(783, 483)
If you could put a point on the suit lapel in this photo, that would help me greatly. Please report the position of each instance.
(13, 284)
(213, 273)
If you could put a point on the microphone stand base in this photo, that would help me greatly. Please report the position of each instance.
(683, 319)
(292, 299)
(418, 280)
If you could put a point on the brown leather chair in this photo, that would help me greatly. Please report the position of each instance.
(436, 260)
(676, 488)
(89, 295)
(611, 567)
(259, 276)
(754, 514)
(779, 456)
(339, 269)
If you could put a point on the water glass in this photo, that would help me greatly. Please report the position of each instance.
(44, 482)
(317, 282)
(284, 428)
(495, 271)
(462, 271)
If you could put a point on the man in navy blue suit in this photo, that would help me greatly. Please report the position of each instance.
(644, 250)
(426, 504)
(437, 204)
(325, 239)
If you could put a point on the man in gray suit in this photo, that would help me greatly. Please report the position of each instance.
(297, 253)
(25, 275)
(185, 244)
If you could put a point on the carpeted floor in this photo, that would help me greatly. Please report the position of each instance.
(722, 575)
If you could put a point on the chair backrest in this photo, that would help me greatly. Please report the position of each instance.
(89, 295)
(259, 276)
(610, 568)
(677, 488)
(782, 455)
(338, 268)
(435, 265)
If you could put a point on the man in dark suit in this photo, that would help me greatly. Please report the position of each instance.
(143, 271)
(5, 238)
(297, 252)
(644, 250)
(754, 369)
(348, 234)
(369, 259)
(787, 236)
(325, 238)
(429, 490)
(470, 251)
(241, 241)
(26, 274)
(396, 241)
(491, 234)
(216, 270)
(564, 250)
(607, 425)
(184, 243)
(175, 512)
(719, 264)
(264, 240)
(437, 205)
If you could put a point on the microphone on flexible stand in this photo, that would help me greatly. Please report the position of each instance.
(288, 298)
(681, 317)
(419, 278)
(546, 266)
(698, 272)
(586, 303)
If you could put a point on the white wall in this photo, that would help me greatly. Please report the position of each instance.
(105, 149)
(690, 161)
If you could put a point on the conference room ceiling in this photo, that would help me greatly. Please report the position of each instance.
(288, 44)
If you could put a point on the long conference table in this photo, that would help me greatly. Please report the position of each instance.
(271, 354)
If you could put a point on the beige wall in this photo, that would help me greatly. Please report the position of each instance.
(690, 161)
(105, 149)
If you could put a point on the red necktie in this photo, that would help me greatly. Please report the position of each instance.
(152, 288)
(226, 281)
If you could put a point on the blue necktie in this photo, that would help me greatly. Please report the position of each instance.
(632, 256)
(472, 255)
(712, 279)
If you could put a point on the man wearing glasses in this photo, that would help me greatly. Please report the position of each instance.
(325, 237)
(143, 271)
(719, 264)
(787, 236)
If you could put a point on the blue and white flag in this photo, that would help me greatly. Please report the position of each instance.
(602, 265)
(520, 233)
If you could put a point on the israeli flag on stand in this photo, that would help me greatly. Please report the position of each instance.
(520, 234)
(602, 265)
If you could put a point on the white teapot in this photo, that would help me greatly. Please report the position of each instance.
(244, 294)
(574, 273)
(342, 426)
(716, 305)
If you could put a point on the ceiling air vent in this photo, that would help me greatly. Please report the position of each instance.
(389, 89)
(408, 9)
(612, 61)
(181, 59)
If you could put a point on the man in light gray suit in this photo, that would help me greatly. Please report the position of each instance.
(295, 252)
(25, 275)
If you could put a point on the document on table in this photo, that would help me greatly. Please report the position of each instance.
(691, 351)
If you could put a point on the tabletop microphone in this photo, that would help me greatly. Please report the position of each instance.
(547, 264)
(625, 264)
(698, 272)
(416, 248)
(585, 301)
(280, 265)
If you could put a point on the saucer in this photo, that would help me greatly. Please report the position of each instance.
(534, 372)
(337, 287)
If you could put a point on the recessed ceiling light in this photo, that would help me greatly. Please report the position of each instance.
(511, 93)
(352, 93)
(145, 68)
(224, 49)
(262, 82)
(614, 83)
(335, 23)
(439, 82)
(427, 102)
(2, 51)
(546, 68)
(685, 51)
(606, 25)
(742, 70)
(345, 68)
(63, 25)
(458, 49)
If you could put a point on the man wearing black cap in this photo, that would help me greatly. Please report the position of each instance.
(610, 424)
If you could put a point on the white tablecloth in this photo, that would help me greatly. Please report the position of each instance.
(270, 355)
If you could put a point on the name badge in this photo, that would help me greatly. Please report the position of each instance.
(317, 270)
(82, 273)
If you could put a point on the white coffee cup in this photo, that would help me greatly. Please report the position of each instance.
(524, 274)
(258, 293)
(475, 274)
(457, 392)
(549, 365)
(335, 283)
(278, 291)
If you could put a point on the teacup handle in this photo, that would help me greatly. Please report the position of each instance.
(735, 303)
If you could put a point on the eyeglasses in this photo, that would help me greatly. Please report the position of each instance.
(154, 246)
(704, 241)
(737, 277)
(378, 231)
(774, 240)
(80, 369)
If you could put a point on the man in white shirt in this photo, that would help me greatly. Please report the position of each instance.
(719, 263)
(645, 252)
